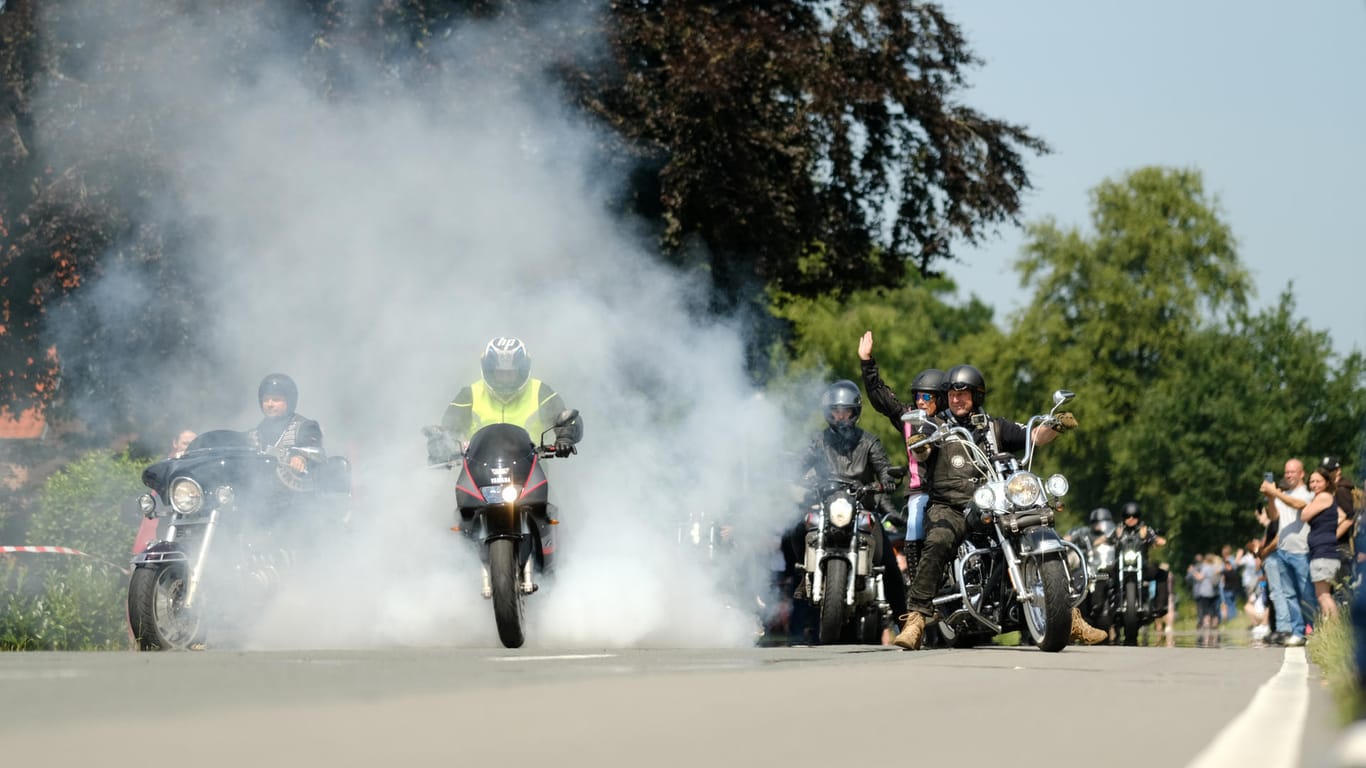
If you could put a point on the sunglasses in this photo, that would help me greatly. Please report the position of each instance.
(924, 397)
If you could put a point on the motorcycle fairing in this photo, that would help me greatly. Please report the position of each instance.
(501, 454)
(1041, 541)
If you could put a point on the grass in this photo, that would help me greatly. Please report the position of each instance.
(1330, 647)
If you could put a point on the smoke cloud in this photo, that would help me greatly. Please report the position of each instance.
(368, 244)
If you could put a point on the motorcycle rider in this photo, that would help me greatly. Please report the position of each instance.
(1133, 524)
(927, 394)
(505, 393)
(283, 428)
(951, 485)
(844, 451)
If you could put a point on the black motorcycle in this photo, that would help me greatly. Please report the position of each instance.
(235, 518)
(503, 504)
(1098, 551)
(1131, 602)
(840, 572)
(1013, 571)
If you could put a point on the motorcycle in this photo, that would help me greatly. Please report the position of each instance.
(503, 503)
(228, 507)
(1131, 602)
(840, 570)
(1012, 571)
(1100, 557)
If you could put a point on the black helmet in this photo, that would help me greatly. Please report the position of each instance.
(842, 394)
(1101, 515)
(279, 384)
(930, 380)
(506, 366)
(1130, 509)
(967, 377)
(1330, 464)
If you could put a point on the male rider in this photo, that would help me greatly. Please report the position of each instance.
(951, 485)
(507, 394)
(844, 451)
(282, 428)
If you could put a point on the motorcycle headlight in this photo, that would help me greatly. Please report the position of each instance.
(187, 497)
(501, 494)
(1130, 556)
(1024, 489)
(224, 494)
(984, 498)
(841, 512)
(1057, 485)
(146, 504)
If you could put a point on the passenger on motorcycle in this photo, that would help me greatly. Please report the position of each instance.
(1133, 522)
(844, 451)
(927, 394)
(951, 485)
(283, 428)
(505, 394)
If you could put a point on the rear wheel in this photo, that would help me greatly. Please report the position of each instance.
(1048, 613)
(507, 596)
(836, 584)
(156, 611)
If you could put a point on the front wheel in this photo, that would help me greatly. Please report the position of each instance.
(1130, 613)
(156, 611)
(508, 609)
(1048, 612)
(1100, 606)
(836, 584)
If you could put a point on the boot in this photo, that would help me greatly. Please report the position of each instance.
(1085, 633)
(913, 631)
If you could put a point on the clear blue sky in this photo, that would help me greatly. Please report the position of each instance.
(1267, 100)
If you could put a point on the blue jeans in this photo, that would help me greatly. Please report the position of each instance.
(1280, 581)
(1304, 587)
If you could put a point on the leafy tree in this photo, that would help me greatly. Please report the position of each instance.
(817, 145)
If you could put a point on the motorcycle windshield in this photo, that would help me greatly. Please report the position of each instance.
(499, 454)
(220, 457)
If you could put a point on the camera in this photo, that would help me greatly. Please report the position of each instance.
(1269, 477)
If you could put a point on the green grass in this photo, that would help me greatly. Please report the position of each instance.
(1330, 648)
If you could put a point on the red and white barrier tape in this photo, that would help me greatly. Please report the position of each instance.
(59, 551)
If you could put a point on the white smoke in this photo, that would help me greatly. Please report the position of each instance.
(368, 244)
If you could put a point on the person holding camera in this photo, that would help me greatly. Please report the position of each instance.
(1287, 567)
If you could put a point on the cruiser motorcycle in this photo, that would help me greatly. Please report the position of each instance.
(1098, 607)
(840, 572)
(1013, 571)
(503, 505)
(226, 544)
(1130, 601)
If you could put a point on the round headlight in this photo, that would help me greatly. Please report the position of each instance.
(224, 494)
(841, 512)
(187, 497)
(147, 504)
(1024, 490)
(984, 498)
(510, 493)
(1057, 485)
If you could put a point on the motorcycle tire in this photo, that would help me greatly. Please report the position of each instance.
(508, 605)
(833, 606)
(1049, 624)
(155, 615)
(1130, 613)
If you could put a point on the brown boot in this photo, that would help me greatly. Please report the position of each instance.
(912, 631)
(1085, 633)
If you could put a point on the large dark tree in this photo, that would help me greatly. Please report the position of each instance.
(817, 145)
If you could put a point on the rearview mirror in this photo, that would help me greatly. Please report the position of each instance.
(1062, 396)
(914, 417)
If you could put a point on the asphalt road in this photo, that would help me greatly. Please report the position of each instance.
(1103, 706)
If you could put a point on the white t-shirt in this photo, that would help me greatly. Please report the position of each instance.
(1294, 533)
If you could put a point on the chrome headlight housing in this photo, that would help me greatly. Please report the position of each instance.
(147, 505)
(1130, 557)
(1023, 489)
(841, 512)
(186, 496)
(1057, 485)
(984, 498)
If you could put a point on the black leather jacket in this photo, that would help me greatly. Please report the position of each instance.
(866, 463)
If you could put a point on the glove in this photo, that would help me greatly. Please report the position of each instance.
(563, 447)
(915, 440)
(441, 445)
(1064, 422)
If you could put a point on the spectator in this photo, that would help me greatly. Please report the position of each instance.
(1205, 574)
(1346, 505)
(1287, 567)
(1230, 585)
(1323, 516)
(180, 443)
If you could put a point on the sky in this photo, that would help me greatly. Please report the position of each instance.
(1267, 100)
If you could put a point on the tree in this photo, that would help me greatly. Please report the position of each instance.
(818, 146)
